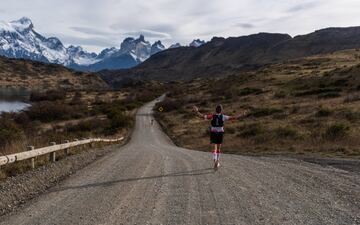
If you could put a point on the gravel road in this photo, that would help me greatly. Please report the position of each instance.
(151, 181)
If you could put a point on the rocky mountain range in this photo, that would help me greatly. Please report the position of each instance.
(226, 56)
(197, 43)
(18, 39)
(140, 60)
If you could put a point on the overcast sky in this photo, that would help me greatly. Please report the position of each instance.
(97, 24)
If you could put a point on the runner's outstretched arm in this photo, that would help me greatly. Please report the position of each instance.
(198, 113)
(242, 115)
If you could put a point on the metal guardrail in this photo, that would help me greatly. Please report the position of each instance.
(32, 153)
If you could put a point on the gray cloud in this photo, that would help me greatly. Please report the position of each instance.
(149, 33)
(74, 40)
(91, 31)
(165, 28)
(301, 7)
(245, 25)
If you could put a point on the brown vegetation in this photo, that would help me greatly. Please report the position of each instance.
(304, 106)
(41, 76)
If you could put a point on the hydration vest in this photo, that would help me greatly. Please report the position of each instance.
(217, 120)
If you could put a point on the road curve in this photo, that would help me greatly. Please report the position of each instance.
(151, 181)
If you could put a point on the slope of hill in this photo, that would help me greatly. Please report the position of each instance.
(41, 76)
(307, 106)
(221, 57)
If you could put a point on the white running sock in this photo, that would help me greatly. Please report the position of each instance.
(215, 156)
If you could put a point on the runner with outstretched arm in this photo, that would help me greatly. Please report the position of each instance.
(217, 129)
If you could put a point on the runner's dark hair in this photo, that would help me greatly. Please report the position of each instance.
(219, 108)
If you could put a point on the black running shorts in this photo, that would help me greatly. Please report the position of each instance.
(216, 137)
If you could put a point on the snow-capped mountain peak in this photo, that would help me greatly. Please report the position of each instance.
(197, 43)
(18, 39)
(80, 57)
(157, 47)
(23, 24)
(54, 43)
(177, 45)
(4, 26)
(106, 53)
(138, 48)
(141, 38)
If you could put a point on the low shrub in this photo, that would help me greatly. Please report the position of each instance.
(286, 132)
(280, 116)
(249, 91)
(111, 108)
(251, 130)
(89, 126)
(329, 95)
(77, 99)
(295, 109)
(260, 112)
(52, 111)
(230, 130)
(350, 115)
(352, 98)
(169, 105)
(336, 131)
(324, 112)
(22, 119)
(280, 94)
(120, 120)
(175, 91)
(145, 96)
(206, 132)
(316, 91)
(116, 113)
(9, 131)
(51, 95)
(132, 105)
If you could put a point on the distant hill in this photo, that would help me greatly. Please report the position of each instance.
(221, 57)
(41, 76)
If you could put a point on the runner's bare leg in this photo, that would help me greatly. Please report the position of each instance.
(215, 155)
(218, 154)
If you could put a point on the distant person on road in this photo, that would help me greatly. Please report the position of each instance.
(152, 122)
(217, 129)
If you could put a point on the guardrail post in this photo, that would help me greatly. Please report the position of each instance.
(52, 154)
(66, 151)
(83, 146)
(92, 144)
(32, 160)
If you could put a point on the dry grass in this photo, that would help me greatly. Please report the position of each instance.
(305, 106)
(37, 75)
